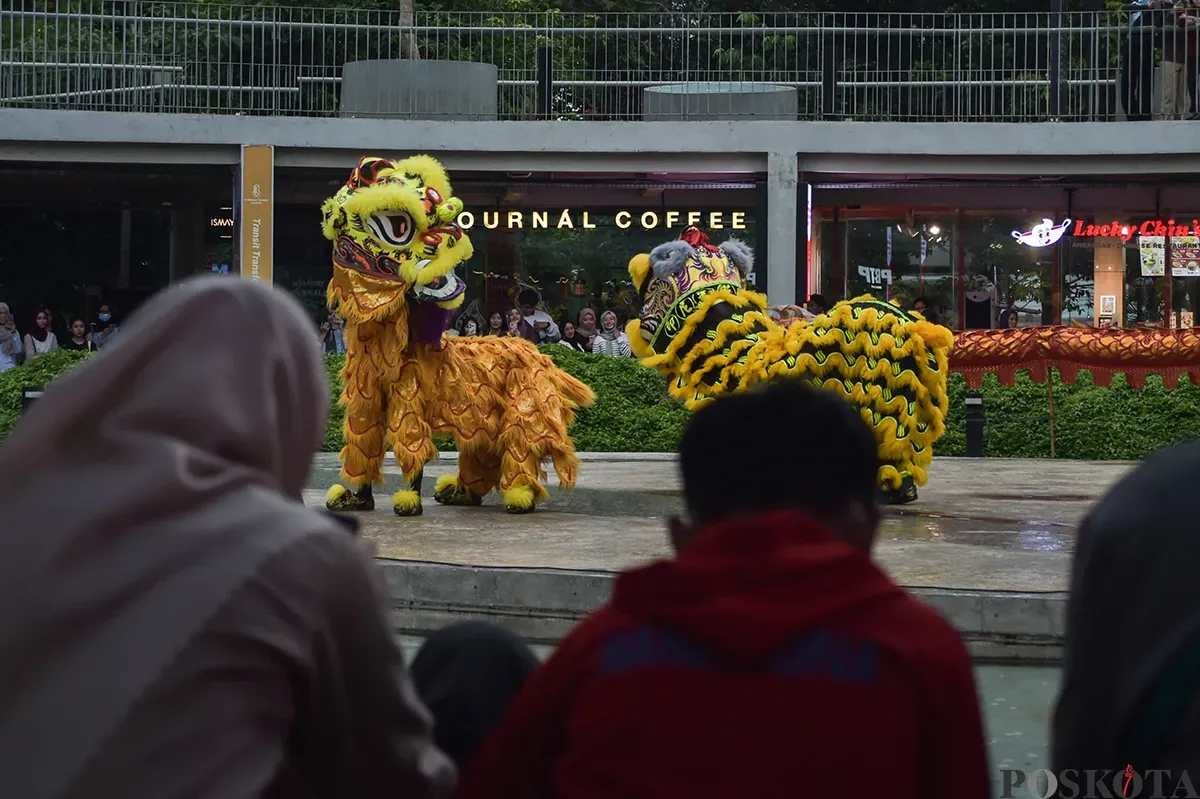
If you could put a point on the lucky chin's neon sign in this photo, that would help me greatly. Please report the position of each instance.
(1048, 233)
(1126, 231)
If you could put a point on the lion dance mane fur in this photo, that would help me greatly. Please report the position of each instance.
(508, 408)
(709, 335)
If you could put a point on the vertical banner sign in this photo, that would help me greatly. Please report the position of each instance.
(924, 253)
(889, 259)
(256, 212)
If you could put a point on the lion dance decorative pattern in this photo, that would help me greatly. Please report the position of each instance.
(508, 408)
(702, 328)
(1136, 353)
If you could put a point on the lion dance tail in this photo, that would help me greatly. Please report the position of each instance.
(575, 394)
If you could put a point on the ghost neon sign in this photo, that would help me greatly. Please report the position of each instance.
(1044, 234)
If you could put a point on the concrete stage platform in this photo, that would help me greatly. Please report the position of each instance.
(989, 543)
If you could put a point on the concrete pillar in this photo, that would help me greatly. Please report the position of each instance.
(783, 199)
(1109, 281)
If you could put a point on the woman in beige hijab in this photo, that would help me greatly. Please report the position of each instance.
(175, 623)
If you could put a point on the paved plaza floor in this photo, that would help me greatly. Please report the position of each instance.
(986, 524)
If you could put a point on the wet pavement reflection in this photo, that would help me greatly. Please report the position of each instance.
(1008, 534)
(905, 523)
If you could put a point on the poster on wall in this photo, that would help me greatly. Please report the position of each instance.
(1153, 256)
(1185, 256)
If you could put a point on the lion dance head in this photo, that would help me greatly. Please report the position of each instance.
(397, 243)
(694, 303)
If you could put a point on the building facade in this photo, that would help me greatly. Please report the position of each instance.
(1010, 169)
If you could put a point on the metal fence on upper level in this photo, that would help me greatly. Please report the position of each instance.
(228, 59)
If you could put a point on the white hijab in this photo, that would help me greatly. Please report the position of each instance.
(143, 490)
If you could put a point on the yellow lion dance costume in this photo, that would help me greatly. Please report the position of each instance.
(702, 328)
(396, 244)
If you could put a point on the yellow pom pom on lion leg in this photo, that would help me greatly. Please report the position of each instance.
(701, 327)
(397, 243)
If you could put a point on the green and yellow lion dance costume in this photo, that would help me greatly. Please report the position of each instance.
(508, 408)
(702, 328)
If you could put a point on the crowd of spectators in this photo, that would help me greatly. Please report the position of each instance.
(44, 334)
(527, 319)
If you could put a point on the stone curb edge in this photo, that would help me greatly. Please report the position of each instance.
(542, 605)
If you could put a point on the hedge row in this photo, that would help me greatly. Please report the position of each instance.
(633, 413)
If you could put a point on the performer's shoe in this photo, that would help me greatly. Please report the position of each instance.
(518, 499)
(906, 493)
(407, 503)
(449, 491)
(342, 500)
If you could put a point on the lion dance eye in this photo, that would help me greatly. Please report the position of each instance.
(433, 195)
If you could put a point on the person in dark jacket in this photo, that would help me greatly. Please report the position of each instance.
(573, 339)
(467, 674)
(770, 657)
(1131, 670)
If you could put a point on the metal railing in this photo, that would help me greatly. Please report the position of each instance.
(228, 59)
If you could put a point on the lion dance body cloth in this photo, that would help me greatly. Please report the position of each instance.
(702, 328)
(508, 408)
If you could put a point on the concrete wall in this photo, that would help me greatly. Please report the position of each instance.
(408, 89)
(542, 605)
(864, 148)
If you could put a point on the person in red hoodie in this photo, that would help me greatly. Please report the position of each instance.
(771, 657)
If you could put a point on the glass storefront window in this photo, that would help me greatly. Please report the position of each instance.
(573, 268)
(1185, 291)
(898, 257)
(302, 257)
(1008, 283)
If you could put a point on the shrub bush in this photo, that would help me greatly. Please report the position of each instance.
(40, 371)
(1090, 422)
(634, 414)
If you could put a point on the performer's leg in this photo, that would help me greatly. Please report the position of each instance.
(520, 487)
(411, 438)
(897, 485)
(478, 473)
(362, 454)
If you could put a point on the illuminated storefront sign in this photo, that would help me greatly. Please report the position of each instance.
(1048, 233)
(1152, 236)
(568, 219)
(1127, 230)
(221, 221)
(1042, 235)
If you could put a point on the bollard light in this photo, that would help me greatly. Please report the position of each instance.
(976, 420)
(30, 396)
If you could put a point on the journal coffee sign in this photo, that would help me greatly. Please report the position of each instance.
(570, 219)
